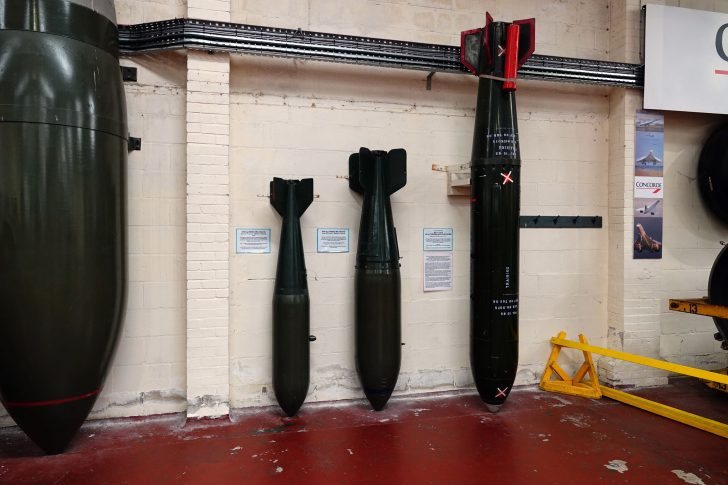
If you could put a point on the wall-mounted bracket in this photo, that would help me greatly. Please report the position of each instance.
(129, 74)
(315, 196)
(458, 178)
(429, 80)
(135, 144)
(560, 222)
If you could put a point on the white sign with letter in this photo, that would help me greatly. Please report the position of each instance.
(686, 60)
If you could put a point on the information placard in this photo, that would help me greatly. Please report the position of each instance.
(438, 271)
(252, 241)
(332, 240)
(437, 239)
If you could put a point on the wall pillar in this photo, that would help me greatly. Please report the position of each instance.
(208, 222)
(634, 292)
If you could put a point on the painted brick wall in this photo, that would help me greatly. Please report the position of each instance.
(299, 119)
(639, 321)
(138, 11)
(208, 125)
(565, 27)
(148, 373)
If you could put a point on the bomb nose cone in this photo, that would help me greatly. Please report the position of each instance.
(492, 408)
(378, 399)
(291, 406)
(51, 427)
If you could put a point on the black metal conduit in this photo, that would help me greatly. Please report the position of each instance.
(272, 41)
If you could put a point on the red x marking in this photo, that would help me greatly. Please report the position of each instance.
(501, 392)
(507, 177)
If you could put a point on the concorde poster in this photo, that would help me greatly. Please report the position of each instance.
(649, 153)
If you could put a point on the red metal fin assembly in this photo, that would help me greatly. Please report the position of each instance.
(511, 65)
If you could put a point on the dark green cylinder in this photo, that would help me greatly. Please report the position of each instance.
(378, 332)
(63, 149)
(495, 206)
(378, 299)
(291, 312)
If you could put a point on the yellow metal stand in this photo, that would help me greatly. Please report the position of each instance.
(702, 306)
(668, 412)
(698, 306)
(717, 385)
(576, 387)
(571, 385)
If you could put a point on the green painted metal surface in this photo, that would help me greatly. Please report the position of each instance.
(378, 299)
(495, 205)
(291, 306)
(62, 215)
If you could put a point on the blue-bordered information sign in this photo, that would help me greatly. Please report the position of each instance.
(332, 240)
(252, 241)
(437, 239)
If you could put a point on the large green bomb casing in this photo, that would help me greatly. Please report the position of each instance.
(493, 53)
(713, 185)
(377, 175)
(63, 152)
(291, 326)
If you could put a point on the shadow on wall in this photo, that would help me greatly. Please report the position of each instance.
(338, 81)
(166, 66)
(685, 134)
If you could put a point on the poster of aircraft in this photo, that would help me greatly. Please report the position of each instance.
(649, 159)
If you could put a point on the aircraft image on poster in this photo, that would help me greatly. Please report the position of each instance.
(649, 159)
(647, 122)
(649, 149)
(648, 207)
(644, 242)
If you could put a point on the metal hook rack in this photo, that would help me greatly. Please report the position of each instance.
(560, 222)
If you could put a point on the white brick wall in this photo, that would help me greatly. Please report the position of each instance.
(148, 373)
(304, 119)
(639, 321)
(138, 11)
(209, 10)
(208, 127)
(567, 27)
(633, 285)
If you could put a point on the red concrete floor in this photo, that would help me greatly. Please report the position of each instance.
(445, 439)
